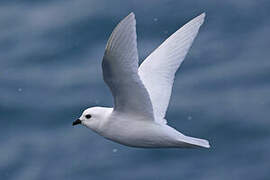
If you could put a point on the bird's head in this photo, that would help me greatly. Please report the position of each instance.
(92, 117)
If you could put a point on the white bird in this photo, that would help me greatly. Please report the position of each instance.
(141, 94)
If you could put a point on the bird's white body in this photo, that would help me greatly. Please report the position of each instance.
(141, 94)
(136, 131)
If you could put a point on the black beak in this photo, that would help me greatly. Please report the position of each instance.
(78, 121)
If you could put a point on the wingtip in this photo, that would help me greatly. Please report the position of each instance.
(131, 15)
(202, 16)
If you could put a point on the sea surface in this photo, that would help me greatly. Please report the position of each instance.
(50, 71)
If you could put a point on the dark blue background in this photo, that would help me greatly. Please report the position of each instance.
(50, 70)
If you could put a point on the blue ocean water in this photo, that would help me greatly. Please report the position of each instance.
(50, 71)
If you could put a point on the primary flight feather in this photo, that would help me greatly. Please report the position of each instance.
(141, 94)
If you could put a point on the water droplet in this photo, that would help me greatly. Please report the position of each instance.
(20, 89)
(189, 117)
(114, 150)
(155, 19)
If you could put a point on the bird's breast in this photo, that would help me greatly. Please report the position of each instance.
(136, 133)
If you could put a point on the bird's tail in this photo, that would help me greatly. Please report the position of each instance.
(187, 141)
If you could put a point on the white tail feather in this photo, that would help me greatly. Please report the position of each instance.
(194, 142)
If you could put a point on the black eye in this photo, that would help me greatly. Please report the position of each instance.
(88, 116)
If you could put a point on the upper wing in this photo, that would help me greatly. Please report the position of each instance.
(120, 70)
(158, 69)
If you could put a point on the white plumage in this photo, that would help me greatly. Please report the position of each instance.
(158, 69)
(141, 94)
(120, 70)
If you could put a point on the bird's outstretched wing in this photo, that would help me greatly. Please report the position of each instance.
(158, 70)
(120, 71)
